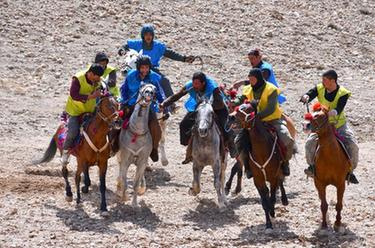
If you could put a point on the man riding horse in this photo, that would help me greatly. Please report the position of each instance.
(255, 58)
(156, 50)
(82, 99)
(269, 111)
(200, 86)
(333, 96)
(109, 71)
(129, 93)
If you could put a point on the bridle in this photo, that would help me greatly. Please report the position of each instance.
(107, 119)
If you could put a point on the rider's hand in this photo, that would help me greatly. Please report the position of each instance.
(332, 112)
(305, 99)
(121, 51)
(237, 84)
(161, 107)
(94, 95)
(190, 59)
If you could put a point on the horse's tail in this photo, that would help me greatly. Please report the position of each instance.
(49, 153)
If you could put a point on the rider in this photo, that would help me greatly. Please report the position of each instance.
(129, 93)
(156, 50)
(82, 99)
(255, 58)
(334, 97)
(268, 111)
(201, 85)
(109, 71)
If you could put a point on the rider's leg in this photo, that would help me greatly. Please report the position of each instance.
(287, 140)
(185, 134)
(155, 131)
(73, 130)
(310, 149)
(222, 117)
(352, 146)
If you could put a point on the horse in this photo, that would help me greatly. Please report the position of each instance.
(93, 149)
(237, 167)
(207, 146)
(136, 145)
(265, 159)
(332, 165)
(127, 64)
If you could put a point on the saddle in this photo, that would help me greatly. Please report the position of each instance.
(280, 145)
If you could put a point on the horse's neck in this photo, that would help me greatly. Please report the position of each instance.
(328, 138)
(97, 129)
(260, 139)
(138, 122)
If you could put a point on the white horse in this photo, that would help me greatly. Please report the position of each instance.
(136, 145)
(208, 150)
(127, 64)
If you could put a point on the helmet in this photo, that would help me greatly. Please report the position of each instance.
(147, 28)
(143, 60)
(100, 56)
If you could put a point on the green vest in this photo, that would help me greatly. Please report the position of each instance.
(76, 108)
(338, 120)
(115, 91)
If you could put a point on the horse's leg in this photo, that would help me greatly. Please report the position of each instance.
(323, 203)
(197, 170)
(340, 194)
(164, 160)
(122, 184)
(264, 195)
(80, 166)
(141, 166)
(85, 189)
(223, 167)
(239, 178)
(273, 198)
(284, 198)
(217, 183)
(102, 173)
(68, 189)
(233, 172)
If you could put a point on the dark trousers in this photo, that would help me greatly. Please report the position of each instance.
(73, 131)
(164, 83)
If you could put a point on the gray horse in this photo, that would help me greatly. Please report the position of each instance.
(208, 150)
(136, 145)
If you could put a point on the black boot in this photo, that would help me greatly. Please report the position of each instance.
(154, 155)
(310, 171)
(352, 178)
(285, 168)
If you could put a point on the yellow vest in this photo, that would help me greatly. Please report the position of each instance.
(268, 90)
(338, 120)
(115, 91)
(76, 108)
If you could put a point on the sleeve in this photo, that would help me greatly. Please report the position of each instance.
(218, 102)
(124, 92)
(169, 53)
(271, 106)
(312, 93)
(74, 91)
(341, 103)
(175, 97)
(160, 96)
(112, 79)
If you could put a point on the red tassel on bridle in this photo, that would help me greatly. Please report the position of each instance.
(134, 138)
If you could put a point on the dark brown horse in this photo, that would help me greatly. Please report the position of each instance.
(265, 159)
(93, 149)
(331, 167)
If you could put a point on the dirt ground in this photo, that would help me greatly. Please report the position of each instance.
(44, 43)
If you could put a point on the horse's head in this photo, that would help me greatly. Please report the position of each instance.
(246, 113)
(318, 119)
(205, 116)
(147, 94)
(129, 60)
(107, 108)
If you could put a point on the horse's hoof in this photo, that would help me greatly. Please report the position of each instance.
(226, 190)
(69, 198)
(141, 191)
(164, 162)
(268, 230)
(272, 213)
(222, 207)
(85, 189)
(104, 213)
(322, 231)
(125, 197)
(192, 192)
(339, 228)
(285, 202)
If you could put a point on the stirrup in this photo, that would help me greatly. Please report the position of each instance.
(310, 171)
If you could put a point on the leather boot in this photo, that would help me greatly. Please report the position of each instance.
(189, 153)
(155, 131)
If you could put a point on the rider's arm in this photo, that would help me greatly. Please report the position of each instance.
(312, 93)
(218, 102)
(74, 91)
(175, 97)
(239, 83)
(160, 96)
(341, 103)
(169, 53)
(112, 78)
(271, 106)
(239, 100)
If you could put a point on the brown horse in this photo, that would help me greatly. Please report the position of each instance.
(93, 149)
(265, 159)
(331, 167)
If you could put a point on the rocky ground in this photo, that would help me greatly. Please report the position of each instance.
(44, 43)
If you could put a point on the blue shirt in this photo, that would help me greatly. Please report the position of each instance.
(156, 53)
(272, 79)
(191, 103)
(130, 88)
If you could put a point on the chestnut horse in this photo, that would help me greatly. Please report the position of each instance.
(265, 159)
(93, 149)
(331, 167)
